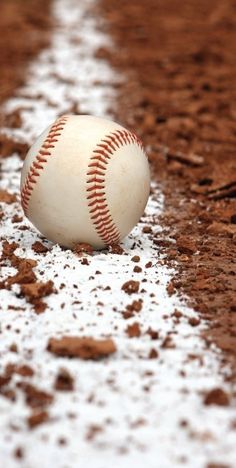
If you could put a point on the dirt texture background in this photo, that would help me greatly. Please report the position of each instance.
(180, 96)
(24, 26)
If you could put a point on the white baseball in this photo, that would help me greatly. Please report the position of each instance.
(85, 180)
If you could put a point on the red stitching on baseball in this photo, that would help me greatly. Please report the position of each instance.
(41, 160)
(98, 206)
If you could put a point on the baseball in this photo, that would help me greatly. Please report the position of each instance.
(85, 180)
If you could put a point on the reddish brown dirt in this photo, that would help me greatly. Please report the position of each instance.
(180, 94)
(24, 29)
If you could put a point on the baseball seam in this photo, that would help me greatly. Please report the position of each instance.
(38, 164)
(98, 207)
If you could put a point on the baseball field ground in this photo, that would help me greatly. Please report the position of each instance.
(123, 356)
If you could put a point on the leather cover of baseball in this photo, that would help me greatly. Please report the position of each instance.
(85, 180)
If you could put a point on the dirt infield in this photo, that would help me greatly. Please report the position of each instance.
(24, 29)
(180, 95)
(110, 355)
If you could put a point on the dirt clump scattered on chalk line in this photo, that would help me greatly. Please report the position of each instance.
(81, 347)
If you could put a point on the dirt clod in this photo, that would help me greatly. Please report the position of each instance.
(131, 287)
(83, 348)
(216, 396)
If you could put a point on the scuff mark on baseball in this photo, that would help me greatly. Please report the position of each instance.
(85, 179)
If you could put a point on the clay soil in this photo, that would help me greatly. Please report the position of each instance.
(24, 29)
(179, 96)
